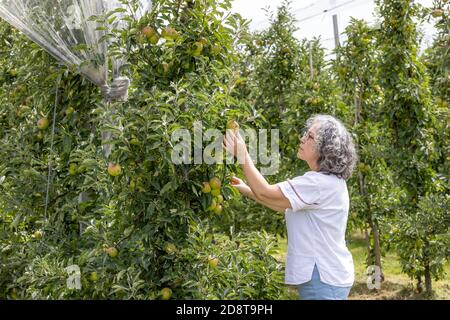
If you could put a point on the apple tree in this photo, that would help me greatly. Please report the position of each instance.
(420, 230)
(135, 224)
(356, 68)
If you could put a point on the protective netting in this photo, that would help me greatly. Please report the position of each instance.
(70, 32)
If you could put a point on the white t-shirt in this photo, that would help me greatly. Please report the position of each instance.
(316, 227)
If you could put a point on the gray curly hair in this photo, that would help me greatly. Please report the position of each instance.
(337, 153)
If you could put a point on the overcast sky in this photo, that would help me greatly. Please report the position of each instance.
(315, 16)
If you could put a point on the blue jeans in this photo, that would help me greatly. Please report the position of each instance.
(317, 290)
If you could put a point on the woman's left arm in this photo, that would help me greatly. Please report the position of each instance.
(262, 190)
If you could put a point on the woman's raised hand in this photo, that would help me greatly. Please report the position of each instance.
(235, 145)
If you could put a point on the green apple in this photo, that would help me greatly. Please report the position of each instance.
(69, 111)
(203, 41)
(13, 294)
(218, 209)
(213, 205)
(154, 39)
(170, 248)
(73, 169)
(133, 185)
(93, 276)
(215, 192)
(215, 183)
(216, 49)
(197, 48)
(206, 187)
(165, 67)
(166, 293)
(135, 142)
(37, 234)
(39, 136)
(213, 261)
(219, 199)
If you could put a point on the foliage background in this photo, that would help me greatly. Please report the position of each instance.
(392, 98)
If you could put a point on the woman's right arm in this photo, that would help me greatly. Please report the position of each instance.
(246, 191)
(268, 205)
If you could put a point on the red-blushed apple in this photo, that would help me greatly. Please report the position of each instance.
(114, 169)
(151, 34)
(112, 252)
(43, 123)
(169, 33)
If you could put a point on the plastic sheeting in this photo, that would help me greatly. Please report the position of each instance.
(64, 29)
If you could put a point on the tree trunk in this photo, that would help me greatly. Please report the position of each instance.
(369, 250)
(428, 285)
(419, 284)
(358, 104)
(362, 188)
(281, 104)
(377, 247)
(311, 73)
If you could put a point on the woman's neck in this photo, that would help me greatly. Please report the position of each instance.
(314, 166)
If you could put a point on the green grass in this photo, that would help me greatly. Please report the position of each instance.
(396, 286)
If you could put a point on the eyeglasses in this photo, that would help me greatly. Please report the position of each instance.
(308, 135)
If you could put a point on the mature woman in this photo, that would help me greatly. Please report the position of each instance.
(316, 207)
